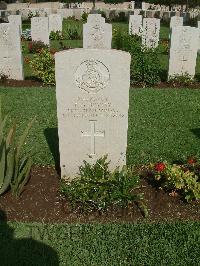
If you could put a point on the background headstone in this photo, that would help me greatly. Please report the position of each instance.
(176, 21)
(11, 62)
(55, 23)
(92, 90)
(135, 25)
(183, 51)
(151, 32)
(16, 20)
(97, 33)
(65, 12)
(40, 29)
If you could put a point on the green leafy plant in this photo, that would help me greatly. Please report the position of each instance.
(73, 33)
(43, 65)
(97, 188)
(36, 46)
(56, 35)
(184, 79)
(84, 16)
(144, 62)
(176, 178)
(14, 167)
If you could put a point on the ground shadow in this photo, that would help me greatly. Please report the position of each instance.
(163, 73)
(196, 132)
(24, 251)
(51, 135)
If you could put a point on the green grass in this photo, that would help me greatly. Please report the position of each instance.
(100, 244)
(163, 123)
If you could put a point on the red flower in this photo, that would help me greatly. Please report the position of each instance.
(191, 161)
(159, 167)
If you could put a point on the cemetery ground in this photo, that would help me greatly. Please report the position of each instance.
(163, 126)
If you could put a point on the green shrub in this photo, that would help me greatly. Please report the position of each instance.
(97, 188)
(43, 65)
(36, 46)
(14, 167)
(144, 62)
(84, 16)
(176, 178)
(184, 79)
(56, 35)
(73, 33)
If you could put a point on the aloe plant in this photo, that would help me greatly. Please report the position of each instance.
(14, 170)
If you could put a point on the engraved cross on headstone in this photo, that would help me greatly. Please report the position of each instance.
(184, 59)
(93, 134)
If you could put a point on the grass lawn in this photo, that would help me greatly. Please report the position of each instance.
(163, 123)
(98, 244)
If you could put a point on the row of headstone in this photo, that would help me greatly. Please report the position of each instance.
(148, 28)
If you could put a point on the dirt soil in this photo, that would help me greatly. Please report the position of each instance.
(42, 202)
(20, 83)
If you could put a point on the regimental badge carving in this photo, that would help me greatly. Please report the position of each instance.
(96, 36)
(92, 76)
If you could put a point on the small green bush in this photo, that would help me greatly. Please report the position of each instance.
(72, 33)
(176, 178)
(84, 16)
(43, 65)
(14, 166)
(97, 188)
(184, 79)
(56, 35)
(144, 62)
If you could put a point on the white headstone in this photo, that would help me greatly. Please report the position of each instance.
(143, 6)
(55, 23)
(92, 90)
(11, 62)
(183, 51)
(97, 33)
(135, 25)
(151, 32)
(132, 5)
(16, 20)
(66, 12)
(176, 21)
(137, 11)
(40, 29)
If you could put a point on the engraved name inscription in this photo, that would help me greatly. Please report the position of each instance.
(92, 107)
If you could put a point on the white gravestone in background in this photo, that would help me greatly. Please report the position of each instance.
(92, 91)
(16, 20)
(183, 51)
(65, 12)
(151, 32)
(11, 62)
(135, 25)
(40, 29)
(97, 33)
(176, 21)
(132, 5)
(55, 23)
